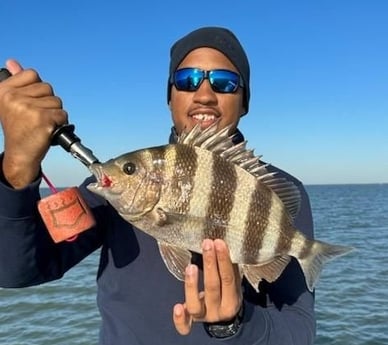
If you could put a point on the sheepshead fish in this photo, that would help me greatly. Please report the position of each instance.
(205, 186)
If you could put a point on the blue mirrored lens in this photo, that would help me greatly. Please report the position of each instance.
(222, 81)
(188, 79)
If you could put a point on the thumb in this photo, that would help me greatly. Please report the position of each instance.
(13, 66)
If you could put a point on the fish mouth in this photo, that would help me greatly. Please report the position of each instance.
(112, 192)
(103, 181)
(97, 171)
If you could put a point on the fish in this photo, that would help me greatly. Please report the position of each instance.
(205, 186)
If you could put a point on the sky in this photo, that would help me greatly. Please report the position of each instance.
(319, 77)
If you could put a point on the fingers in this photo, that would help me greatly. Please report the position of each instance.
(29, 112)
(37, 90)
(22, 78)
(230, 281)
(194, 299)
(221, 281)
(29, 84)
(222, 295)
(13, 66)
(212, 282)
(194, 308)
(182, 319)
(41, 102)
(26, 94)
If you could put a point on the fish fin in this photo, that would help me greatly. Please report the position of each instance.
(221, 143)
(175, 258)
(161, 217)
(286, 190)
(253, 274)
(320, 253)
(269, 271)
(207, 138)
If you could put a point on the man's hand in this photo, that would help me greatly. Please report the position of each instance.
(221, 299)
(29, 113)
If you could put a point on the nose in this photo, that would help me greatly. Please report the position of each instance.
(205, 94)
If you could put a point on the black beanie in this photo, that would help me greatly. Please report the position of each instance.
(213, 37)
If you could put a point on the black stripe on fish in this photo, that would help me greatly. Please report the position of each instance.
(256, 223)
(287, 234)
(221, 198)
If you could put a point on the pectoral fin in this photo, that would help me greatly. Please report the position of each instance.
(269, 271)
(163, 217)
(175, 258)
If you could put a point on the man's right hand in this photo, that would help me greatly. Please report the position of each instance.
(29, 113)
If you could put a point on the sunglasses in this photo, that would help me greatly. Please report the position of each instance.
(221, 80)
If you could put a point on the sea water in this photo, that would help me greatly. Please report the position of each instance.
(351, 295)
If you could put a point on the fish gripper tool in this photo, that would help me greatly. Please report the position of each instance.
(65, 213)
(65, 137)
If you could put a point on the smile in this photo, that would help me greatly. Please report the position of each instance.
(204, 117)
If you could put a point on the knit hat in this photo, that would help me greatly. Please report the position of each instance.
(218, 38)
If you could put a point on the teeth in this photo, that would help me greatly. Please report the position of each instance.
(96, 170)
(204, 117)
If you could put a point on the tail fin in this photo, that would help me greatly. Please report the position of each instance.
(320, 253)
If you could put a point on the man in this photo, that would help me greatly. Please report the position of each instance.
(208, 82)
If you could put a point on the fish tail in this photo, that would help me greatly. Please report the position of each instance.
(319, 254)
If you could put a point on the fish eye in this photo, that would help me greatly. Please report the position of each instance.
(129, 168)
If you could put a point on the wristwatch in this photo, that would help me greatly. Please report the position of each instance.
(225, 329)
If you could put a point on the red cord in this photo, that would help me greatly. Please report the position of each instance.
(51, 186)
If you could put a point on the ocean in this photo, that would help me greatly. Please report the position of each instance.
(351, 295)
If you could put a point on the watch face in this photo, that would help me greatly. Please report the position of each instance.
(223, 329)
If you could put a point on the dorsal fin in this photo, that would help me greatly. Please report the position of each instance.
(221, 143)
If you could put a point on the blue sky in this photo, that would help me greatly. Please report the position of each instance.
(319, 77)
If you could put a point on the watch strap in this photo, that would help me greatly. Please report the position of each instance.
(225, 329)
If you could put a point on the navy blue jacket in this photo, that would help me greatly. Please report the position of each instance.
(136, 292)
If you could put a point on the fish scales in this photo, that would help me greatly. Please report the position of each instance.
(226, 198)
(257, 223)
(211, 188)
(213, 193)
(278, 231)
(240, 218)
(199, 182)
(285, 242)
(180, 165)
(222, 197)
(247, 222)
(269, 228)
(204, 186)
